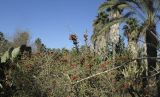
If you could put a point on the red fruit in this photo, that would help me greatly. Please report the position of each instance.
(114, 81)
(73, 66)
(88, 66)
(103, 66)
(74, 77)
(126, 85)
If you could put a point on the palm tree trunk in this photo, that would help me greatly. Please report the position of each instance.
(132, 46)
(145, 72)
(114, 33)
(114, 51)
(152, 52)
(94, 47)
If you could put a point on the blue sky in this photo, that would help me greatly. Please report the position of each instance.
(51, 20)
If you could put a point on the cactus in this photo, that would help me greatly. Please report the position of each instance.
(12, 55)
(6, 56)
(15, 54)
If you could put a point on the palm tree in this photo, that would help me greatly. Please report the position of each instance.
(131, 31)
(146, 11)
(114, 31)
(99, 40)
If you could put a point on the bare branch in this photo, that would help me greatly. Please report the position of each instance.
(123, 64)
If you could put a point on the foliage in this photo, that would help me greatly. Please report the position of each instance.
(4, 43)
(62, 72)
(40, 47)
(7, 63)
(119, 71)
(21, 38)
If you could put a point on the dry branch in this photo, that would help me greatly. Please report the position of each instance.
(124, 63)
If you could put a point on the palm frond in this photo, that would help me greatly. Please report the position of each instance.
(139, 7)
(106, 28)
(157, 7)
(106, 5)
(93, 37)
(129, 14)
(114, 5)
(122, 5)
(144, 28)
(132, 6)
(157, 18)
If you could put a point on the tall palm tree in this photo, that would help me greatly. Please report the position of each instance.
(98, 39)
(114, 31)
(148, 12)
(111, 34)
(131, 31)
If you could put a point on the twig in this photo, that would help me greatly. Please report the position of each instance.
(112, 69)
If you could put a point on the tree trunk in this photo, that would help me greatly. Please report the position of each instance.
(145, 72)
(114, 51)
(132, 46)
(152, 52)
(133, 49)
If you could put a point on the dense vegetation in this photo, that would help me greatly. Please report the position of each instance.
(111, 68)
